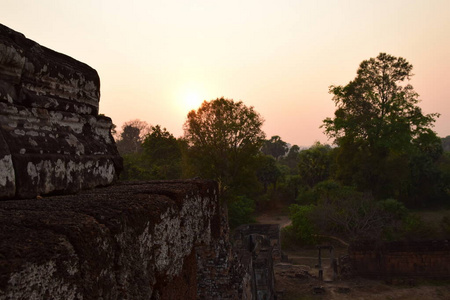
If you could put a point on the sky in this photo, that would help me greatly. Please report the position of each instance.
(159, 59)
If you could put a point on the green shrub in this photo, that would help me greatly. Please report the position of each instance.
(302, 225)
(240, 211)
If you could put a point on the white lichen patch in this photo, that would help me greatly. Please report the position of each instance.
(7, 175)
(178, 232)
(45, 173)
(74, 142)
(19, 132)
(32, 172)
(60, 169)
(34, 281)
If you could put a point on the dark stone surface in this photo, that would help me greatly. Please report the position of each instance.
(148, 240)
(52, 139)
(258, 246)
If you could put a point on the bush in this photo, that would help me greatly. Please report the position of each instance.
(302, 225)
(414, 228)
(240, 211)
(394, 208)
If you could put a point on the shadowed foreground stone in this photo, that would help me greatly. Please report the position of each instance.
(52, 139)
(158, 240)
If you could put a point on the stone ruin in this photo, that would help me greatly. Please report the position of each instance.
(52, 139)
(259, 247)
(425, 259)
(62, 239)
(151, 240)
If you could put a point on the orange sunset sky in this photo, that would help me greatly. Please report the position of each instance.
(159, 59)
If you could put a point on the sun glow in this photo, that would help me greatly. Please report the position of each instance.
(192, 100)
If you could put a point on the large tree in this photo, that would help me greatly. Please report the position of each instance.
(378, 126)
(224, 136)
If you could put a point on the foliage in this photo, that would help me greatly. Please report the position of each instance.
(292, 159)
(275, 147)
(414, 228)
(162, 151)
(346, 213)
(267, 171)
(378, 127)
(158, 155)
(240, 211)
(343, 212)
(350, 215)
(131, 137)
(302, 223)
(323, 190)
(135, 168)
(224, 136)
(314, 164)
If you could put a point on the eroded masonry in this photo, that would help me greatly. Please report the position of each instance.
(62, 239)
(52, 139)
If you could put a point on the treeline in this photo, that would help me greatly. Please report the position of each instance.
(385, 159)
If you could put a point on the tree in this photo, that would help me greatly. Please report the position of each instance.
(275, 147)
(132, 135)
(377, 125)
(224, 136)
(314, 164)
(291, 159)
(267, 171)
(162, 152)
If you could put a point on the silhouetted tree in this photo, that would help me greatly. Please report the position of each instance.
(267, 171)
(131, 137)
(378, 127)
(275, 147)
(224, 136)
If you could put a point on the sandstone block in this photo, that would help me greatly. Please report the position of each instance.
(52, 139)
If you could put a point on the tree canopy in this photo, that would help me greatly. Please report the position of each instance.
(224, 136)
(377, 107)
(275, 147)
(162, 151)
(132, 135)
(379, 126)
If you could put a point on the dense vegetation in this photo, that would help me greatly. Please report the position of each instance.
(385, 161)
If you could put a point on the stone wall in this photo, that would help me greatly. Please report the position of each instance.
(430, 259)
(158, 240)
(258, 247)
(52, 139)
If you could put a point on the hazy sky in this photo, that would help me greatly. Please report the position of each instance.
(159, 59)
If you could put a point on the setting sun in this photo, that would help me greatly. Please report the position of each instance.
(192, 101)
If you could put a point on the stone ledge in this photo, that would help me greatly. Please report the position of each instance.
(126, 241)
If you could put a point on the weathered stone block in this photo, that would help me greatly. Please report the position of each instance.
(52, 139)
(154, 240)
